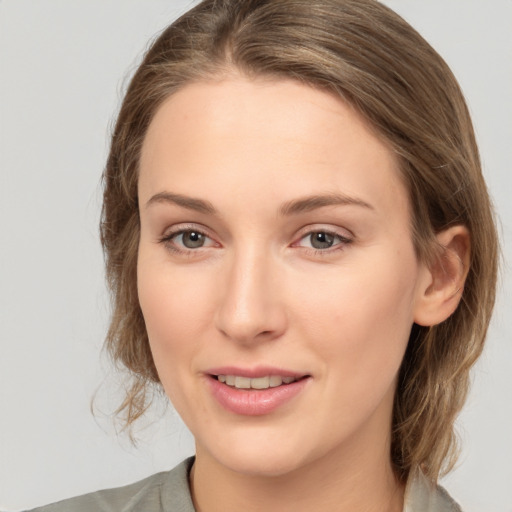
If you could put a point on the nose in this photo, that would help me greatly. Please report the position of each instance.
(251, 308)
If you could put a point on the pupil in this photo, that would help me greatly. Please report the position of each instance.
(193, 239)
(322, 240)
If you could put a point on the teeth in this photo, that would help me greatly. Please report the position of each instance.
(270, 381)
(242, 382)
(260, 383)
(275, 380)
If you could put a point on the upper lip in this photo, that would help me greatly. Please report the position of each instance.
(254, 372)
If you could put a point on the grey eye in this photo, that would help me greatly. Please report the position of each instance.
(321, 240)
(192, 239)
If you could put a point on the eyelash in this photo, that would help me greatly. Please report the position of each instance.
(167, 240)
(343, 241)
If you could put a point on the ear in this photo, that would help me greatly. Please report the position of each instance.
(443, 279)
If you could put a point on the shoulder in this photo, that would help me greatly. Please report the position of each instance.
(422, 496)
(167, 491)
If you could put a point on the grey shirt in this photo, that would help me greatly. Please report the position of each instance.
(169, 492)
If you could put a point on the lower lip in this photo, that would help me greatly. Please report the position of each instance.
(254, 402)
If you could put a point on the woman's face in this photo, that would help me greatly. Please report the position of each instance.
(275, 247)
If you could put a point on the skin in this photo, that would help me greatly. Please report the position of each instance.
(258, 293)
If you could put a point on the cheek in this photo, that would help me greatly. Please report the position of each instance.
(359, 321)
(175, 308)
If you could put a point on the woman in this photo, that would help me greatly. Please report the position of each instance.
(302, 252)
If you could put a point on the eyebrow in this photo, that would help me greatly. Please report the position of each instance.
(293, 207)
(190, 203)
(307, 204)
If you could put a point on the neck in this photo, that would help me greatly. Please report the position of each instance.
(341, 482)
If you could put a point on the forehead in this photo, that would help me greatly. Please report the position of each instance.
(248, 135)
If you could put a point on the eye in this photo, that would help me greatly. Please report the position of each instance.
(190, 239)
(322, 240)
(183, 240)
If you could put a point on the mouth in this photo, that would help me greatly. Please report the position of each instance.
(257, 383)
(256, 391)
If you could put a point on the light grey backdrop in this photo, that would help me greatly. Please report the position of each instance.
(61, 77)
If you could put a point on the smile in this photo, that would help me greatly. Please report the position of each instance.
(255, 392)
(269, 381)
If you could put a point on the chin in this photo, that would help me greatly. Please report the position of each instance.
(257, 454)
(262, 464)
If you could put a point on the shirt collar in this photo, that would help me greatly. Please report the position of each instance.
(423, 496)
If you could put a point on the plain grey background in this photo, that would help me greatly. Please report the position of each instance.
(63, 67)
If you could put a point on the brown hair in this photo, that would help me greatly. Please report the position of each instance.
(370, 57)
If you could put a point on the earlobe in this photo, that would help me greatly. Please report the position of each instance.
(443, 280)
